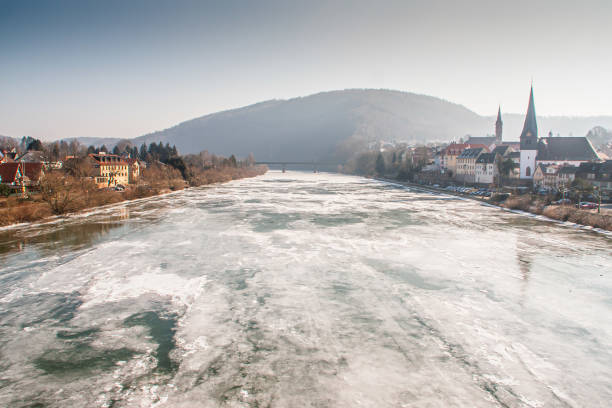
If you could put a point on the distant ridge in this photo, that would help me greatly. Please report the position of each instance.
(334, 125)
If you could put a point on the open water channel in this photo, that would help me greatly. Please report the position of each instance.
(304, 290)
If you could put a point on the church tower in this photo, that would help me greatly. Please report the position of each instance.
(498, 126)
(529, 141)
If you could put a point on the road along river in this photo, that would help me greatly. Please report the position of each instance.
(299, 289)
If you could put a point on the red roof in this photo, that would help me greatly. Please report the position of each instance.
(33, 171)
(477, 145)
(455, 149)
(8, 171)
(107, 159)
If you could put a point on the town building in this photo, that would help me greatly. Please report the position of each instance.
(448, 159)
(490, 142)
(570, 151)
(133, 170)
(466, 164)
(7, 156)
(599, 175)
(21, 173)
(546, 176)
(485, 170)
(109, 169)
(567, 174)
(550, 150)
(529, 141)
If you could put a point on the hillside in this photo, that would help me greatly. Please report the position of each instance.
(325, 126)
(332, 126)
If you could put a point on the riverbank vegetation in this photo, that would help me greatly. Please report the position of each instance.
(72, 189)
(563, 213)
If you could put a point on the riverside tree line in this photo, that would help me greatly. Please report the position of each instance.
(72, 187)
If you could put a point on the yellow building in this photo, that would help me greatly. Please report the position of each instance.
(110, 170)
(134, 170)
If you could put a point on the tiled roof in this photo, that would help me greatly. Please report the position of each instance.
(475, 145)
(8, 171)
(501, 150)
(566, 148)
(602, 171)
(486, 158)
(33, 171)
(486, 140)
(107, 159)
(470, 153)
(33, 156)
(455, 149)
(568, 170)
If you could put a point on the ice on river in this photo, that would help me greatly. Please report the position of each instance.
(297, 289)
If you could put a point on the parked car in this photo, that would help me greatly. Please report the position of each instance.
(586, 205)
(563, 201)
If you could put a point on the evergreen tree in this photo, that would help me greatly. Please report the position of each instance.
(35, 145)
(116, 150)
(380, 165)
(103, 149)
(55, 151)
(142, 155)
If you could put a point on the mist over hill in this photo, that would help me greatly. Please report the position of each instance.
(325, 126)
(333, 126)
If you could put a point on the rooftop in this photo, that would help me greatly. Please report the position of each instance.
(566, 148)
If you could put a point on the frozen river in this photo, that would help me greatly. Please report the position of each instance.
(305, 290)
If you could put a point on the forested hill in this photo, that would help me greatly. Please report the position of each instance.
(334, 125)
(325, 126)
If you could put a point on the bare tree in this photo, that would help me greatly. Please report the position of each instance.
(59, 191)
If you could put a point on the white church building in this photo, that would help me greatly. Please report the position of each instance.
(550, 150)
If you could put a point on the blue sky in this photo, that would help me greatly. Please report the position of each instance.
(125, 68)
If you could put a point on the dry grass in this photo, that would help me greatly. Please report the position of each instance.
(14, 211)
(578, 216)
(78, 194)
(560, 213)
(201, 177)
(524, 203)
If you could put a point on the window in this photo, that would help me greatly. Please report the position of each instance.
(528, 171)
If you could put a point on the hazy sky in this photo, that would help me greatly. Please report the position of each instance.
(124, 68)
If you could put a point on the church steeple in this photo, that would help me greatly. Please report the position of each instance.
(529, 135)
(498, 126)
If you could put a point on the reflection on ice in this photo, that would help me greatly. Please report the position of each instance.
(303, 289)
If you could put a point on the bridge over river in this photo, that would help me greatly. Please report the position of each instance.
(313, 165)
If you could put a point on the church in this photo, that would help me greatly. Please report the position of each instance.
(561, 151)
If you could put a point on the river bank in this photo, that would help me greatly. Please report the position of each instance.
(71, 196)
(525, 204)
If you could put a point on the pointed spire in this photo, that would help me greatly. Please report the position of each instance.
(530, 128)
(498, 125)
